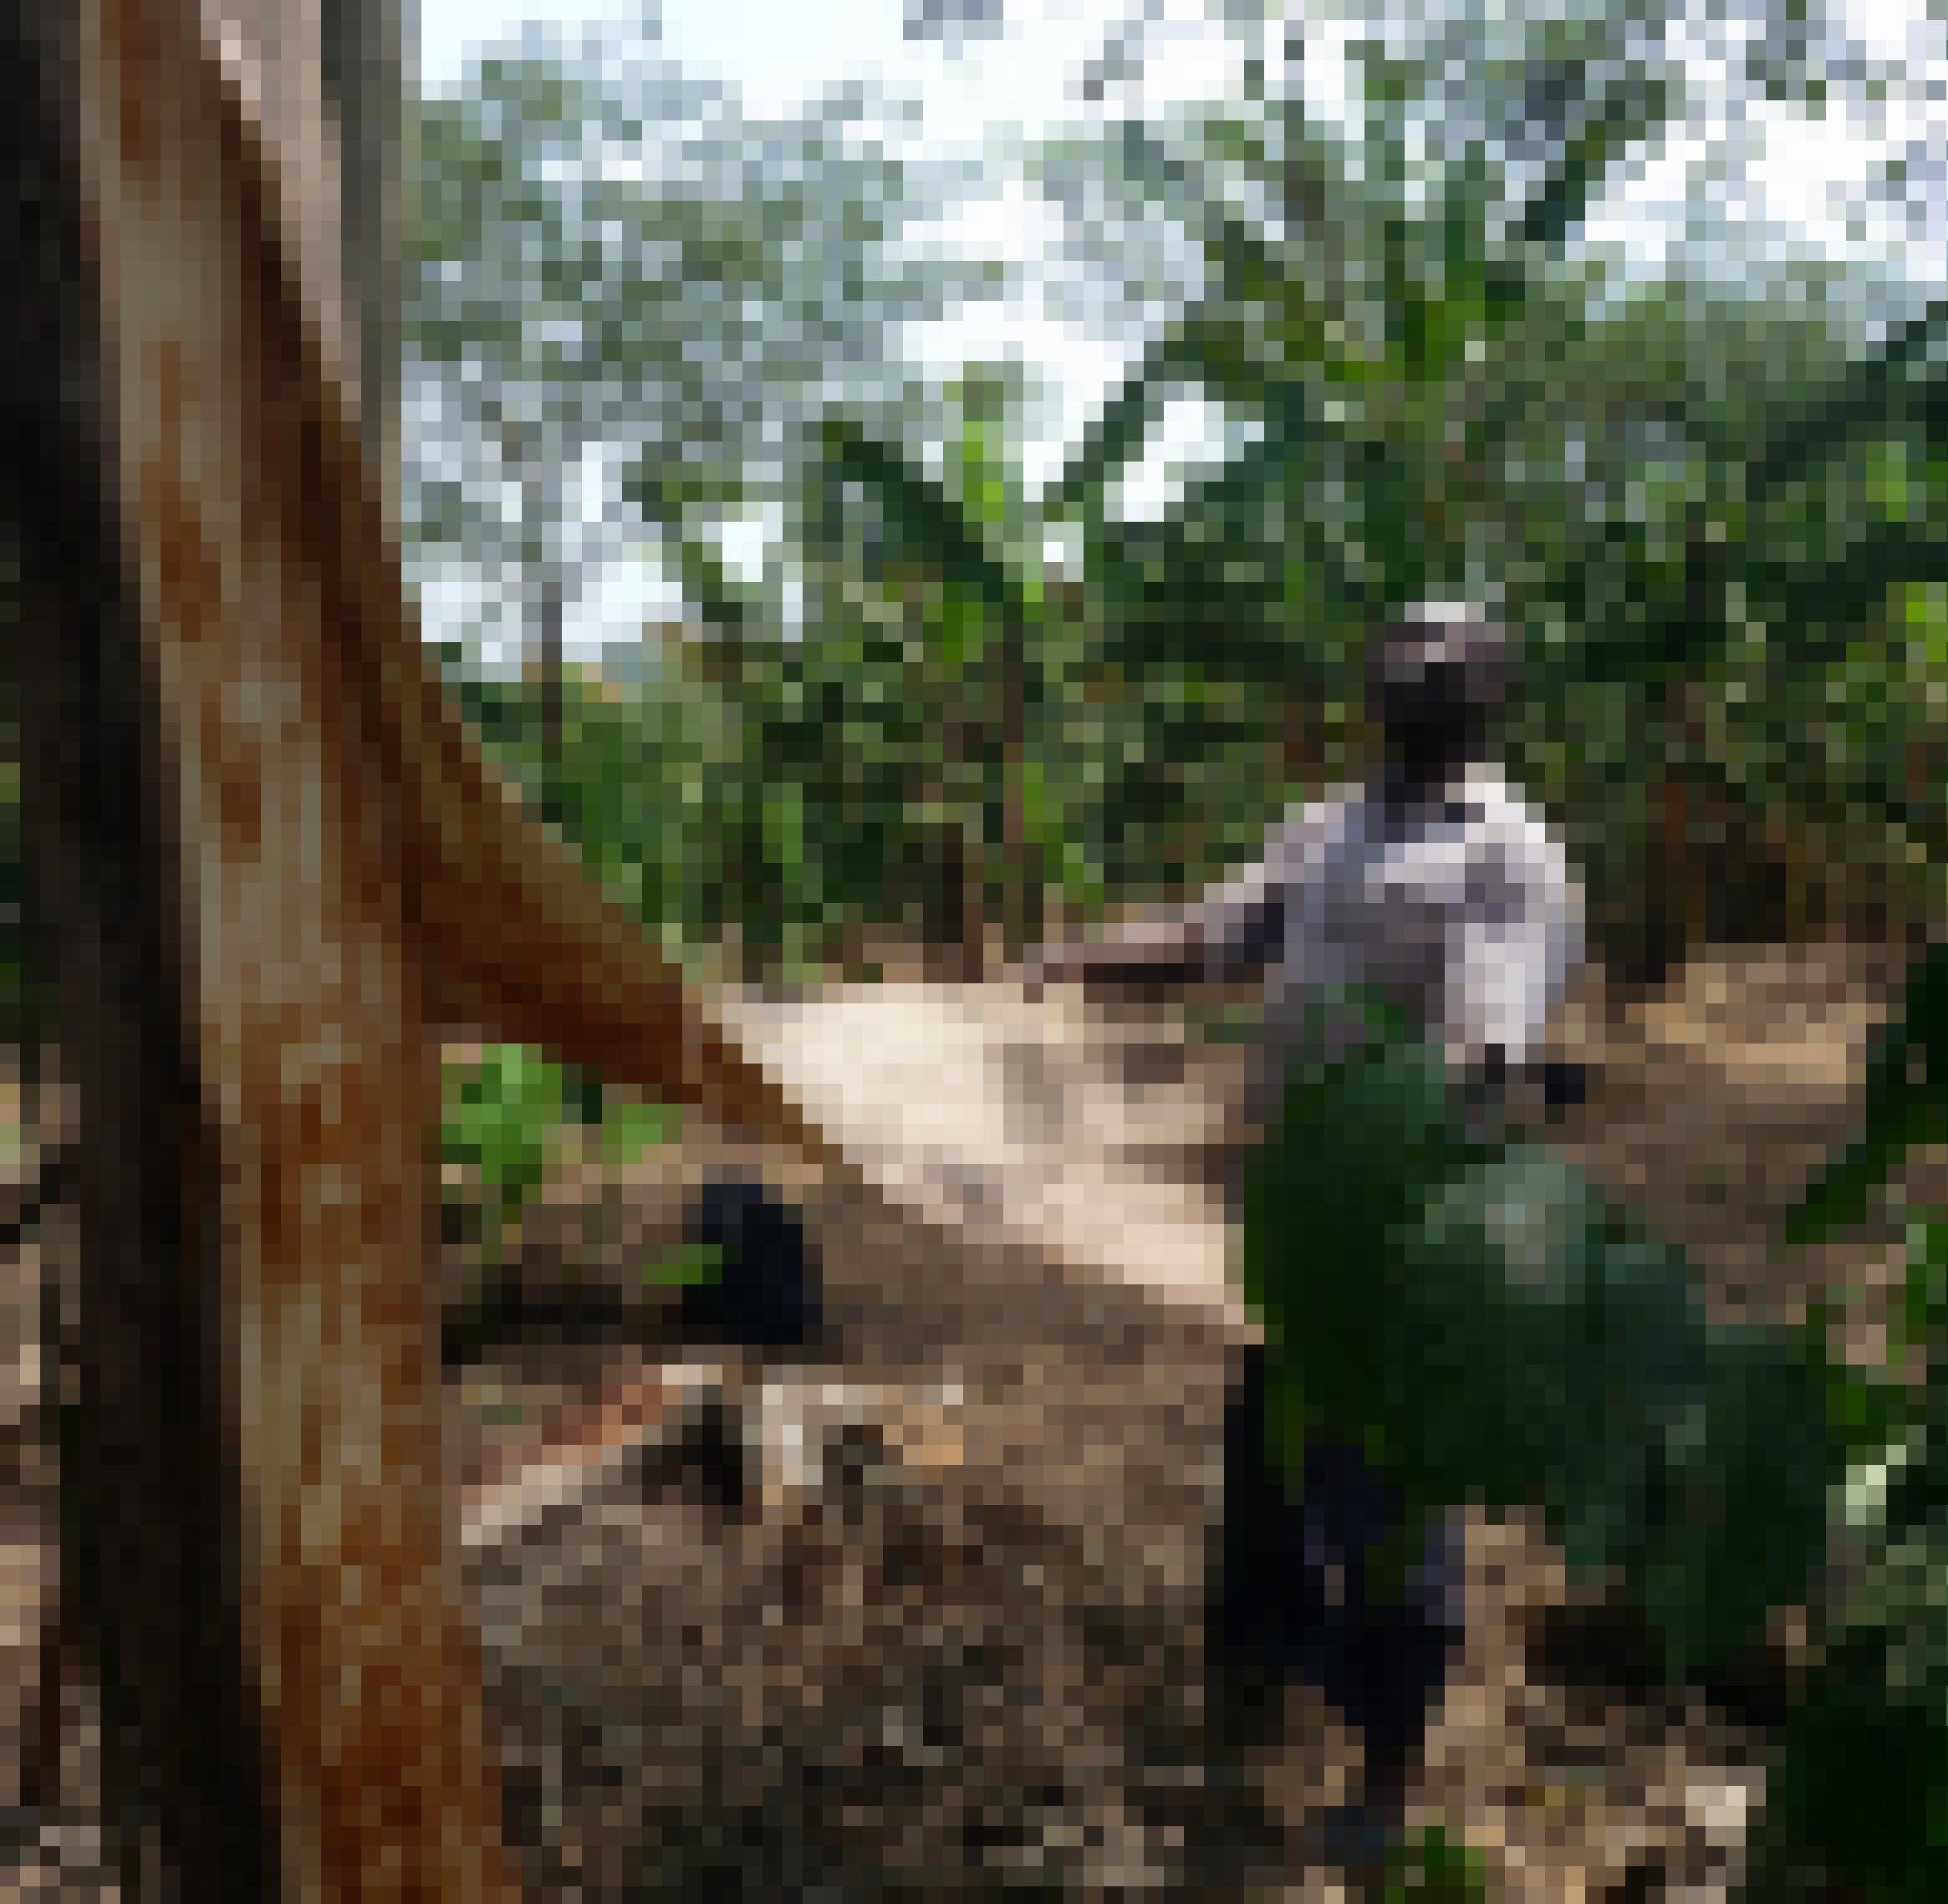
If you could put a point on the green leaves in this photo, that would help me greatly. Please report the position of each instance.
(924, 523)
(504, 1121)
(1905, 1106)
(1924, 1305)
(1854, 1794)
(1502, 1339)
(629, 1129)
(1909, 365)
(1438, 1867)
(1498, 1334)
(686, 1268)
(606, 254)
(1659, 476)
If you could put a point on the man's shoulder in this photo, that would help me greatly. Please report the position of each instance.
(1307, 825)
(1491, 800)
(1491, 812)
(1512, 832)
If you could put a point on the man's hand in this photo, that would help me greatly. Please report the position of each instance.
(1043, 965)
(1143, 953)
(1496, 1096)
(1482, 1079)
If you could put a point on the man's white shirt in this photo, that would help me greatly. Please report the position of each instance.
(1462, 909)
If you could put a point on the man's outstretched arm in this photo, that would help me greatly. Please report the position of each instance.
(1163, 950)
(1229, 932)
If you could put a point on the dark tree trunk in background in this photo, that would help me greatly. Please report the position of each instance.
(1679, 861)
(949, 923)
(367, 47)
(1023, 874)
(549, 612)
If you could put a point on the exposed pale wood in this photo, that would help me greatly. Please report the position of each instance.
(1027, 1124)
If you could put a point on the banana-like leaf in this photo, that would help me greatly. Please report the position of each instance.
(1624, 114)
(925, 524)
(1910, 365)
(1116, 436)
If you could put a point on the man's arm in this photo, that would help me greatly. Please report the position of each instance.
(1161, 948)
(1228, 932)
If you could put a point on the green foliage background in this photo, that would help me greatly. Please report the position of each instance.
(1712, 502)
(1855, 1803)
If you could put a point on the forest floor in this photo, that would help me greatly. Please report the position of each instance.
(945, 1645)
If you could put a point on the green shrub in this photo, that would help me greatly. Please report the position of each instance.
(1435, 1869)
(1498, 1334)
(1857, 1794)
(503, 1123)
(685, 1268)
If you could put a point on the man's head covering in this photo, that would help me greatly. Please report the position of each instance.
(1436, 679)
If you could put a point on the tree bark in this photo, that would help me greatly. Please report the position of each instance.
(278, 864)
(149, 1480)
(367, 48)
(549, 614)
(1021, 857)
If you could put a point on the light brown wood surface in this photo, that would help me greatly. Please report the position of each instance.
(357, 876)
(1067, 1133)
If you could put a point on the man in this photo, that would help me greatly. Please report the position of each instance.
(1436, 885)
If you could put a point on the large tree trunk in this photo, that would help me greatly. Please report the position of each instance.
(309, 1335)
(152, 1574)
(277, 865)
(368, 47)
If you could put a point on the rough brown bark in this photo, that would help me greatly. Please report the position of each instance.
(149, 1474)
(276, 865)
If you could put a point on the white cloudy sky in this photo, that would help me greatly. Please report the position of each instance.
(779, 52)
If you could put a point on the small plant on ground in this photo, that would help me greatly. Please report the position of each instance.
(507, 1121)
(500, 1128)
(685, 1268)
(504, 1122)
(1434, 1867)
(1857, 1793)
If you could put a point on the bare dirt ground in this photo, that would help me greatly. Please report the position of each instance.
(945, 1644)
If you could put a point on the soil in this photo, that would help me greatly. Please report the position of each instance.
(936, 1634)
